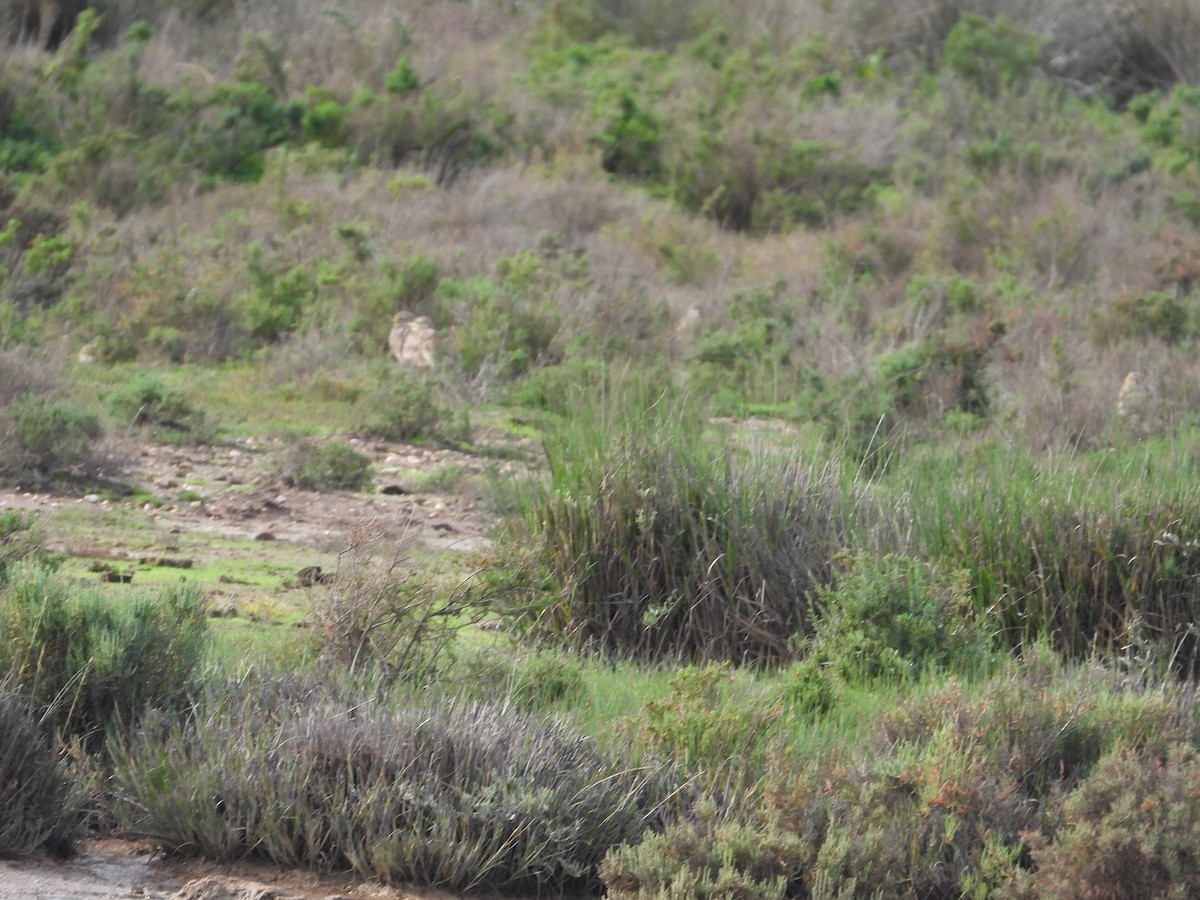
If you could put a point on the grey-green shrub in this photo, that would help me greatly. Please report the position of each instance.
(40, 809)
(41, 436)
(462, 796)
(89, 661)
(147, 402)
(330, 466)
(949, 794)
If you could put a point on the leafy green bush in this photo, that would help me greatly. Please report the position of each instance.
(951, 794)
(40, 810)
(88, 661)
(718, 741)
(235, 125)
(41, 436)
(402, 78)
(404, 407)
(708, 859)
(896, 617)
(507, 323)
(993, 54)
(328, 466)
(461, 796)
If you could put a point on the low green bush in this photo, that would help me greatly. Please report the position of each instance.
(147, 402)
(1130, 830)
(40, 809)
(719, 741)
(993, 54)
(461, 796)
(404, 407)
(707, 860)
(957, 792)
(88, 661)
(329, 466)
(41, 437)
(897, 617)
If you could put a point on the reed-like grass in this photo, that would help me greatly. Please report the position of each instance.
(1099, 552)
(40, 807)
(670, 546)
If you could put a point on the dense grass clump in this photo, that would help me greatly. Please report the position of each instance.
(88, 661)
(1098, 552)
(667, 547)
(454, 794)
(39, 808)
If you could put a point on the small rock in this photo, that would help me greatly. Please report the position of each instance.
(92, 498)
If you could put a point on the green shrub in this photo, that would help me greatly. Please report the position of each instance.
(324, 119)
(950, 794)
(460, 796)
(88, 661)
(233, 127)
(147, 402)
(1155, 314)
(41, 436)
(992, 54)
(403, 78)
(896, 617)
(328, 466)
(507, 323)
(546, 679)
(404, 407)
(40, 809)
(714, 739)
(707, 860)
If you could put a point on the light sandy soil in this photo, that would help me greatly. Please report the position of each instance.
(121, 869)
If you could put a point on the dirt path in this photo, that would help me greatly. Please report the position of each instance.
(121, 869)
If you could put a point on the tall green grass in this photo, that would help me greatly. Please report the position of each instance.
(1100, 552)
(88, 661)
(668, 546)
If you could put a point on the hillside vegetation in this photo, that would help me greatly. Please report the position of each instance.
(860, 344)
